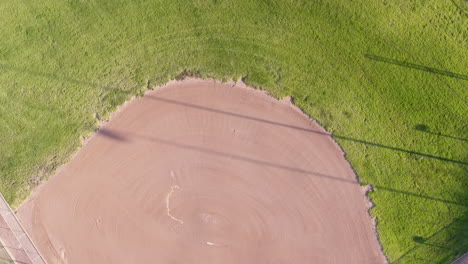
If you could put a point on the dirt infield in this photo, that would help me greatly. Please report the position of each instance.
(203, 172)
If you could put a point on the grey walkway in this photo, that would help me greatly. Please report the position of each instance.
(462, 260)
(15, 245)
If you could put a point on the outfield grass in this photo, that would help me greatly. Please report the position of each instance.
(388, 78)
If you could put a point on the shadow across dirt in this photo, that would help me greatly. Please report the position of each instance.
(117, 135)
(271, 122)
(111, 134)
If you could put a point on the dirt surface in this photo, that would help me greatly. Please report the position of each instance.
(202, 172)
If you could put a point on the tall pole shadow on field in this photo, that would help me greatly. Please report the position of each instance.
(449, 237)
(416, 66)
(275, 123)
(425, 129)
(422, 241)
(128, 137)
(463, 11)
(452, 236)
(271, 122)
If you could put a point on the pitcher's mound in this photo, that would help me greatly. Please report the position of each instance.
(203, 172)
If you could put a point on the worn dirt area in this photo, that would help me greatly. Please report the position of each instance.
(203, 172)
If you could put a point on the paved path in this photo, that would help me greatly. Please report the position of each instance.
(16, 246)
(462, 260)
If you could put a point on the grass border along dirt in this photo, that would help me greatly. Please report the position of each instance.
(387, 78)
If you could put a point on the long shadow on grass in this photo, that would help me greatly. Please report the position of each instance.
(451, 238)
(271, 122)
(460, 8)
(425, 129)
(71, 80)
(129, 136)
(416, 66)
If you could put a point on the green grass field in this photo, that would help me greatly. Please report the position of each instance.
(388, 78)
